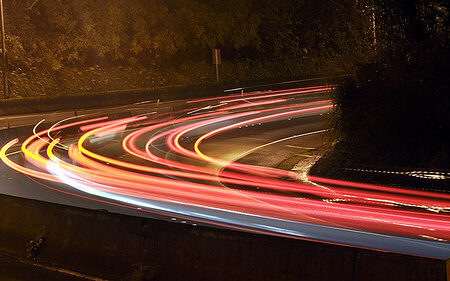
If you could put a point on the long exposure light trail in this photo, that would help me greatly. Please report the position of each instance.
(265, 94)
(141, 160)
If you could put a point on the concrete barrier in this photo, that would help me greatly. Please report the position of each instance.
(120, 97)
(120, 247)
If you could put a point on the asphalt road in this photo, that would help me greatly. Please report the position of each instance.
(236, 161)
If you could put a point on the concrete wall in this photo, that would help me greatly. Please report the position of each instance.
(120, 247)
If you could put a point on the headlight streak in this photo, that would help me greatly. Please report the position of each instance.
(265, 93)
(62, 121)
(272, 95)
(251, 104)
(197, 183)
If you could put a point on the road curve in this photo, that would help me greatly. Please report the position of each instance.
(215, 161)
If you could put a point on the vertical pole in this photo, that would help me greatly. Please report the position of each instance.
(217, 73)
(216, 61)
(5, 78)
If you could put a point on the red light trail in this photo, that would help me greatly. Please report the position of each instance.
(191, 177)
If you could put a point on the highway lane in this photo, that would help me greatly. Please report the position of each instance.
(215, 163)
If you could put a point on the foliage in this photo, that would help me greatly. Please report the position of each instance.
(49, 38)
(394, 111)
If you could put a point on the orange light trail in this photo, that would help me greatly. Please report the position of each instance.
(164, 162)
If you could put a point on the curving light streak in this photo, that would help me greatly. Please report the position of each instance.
(252, 104)
(163, 163)
(266, 93)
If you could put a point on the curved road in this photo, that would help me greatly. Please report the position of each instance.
(236, 161)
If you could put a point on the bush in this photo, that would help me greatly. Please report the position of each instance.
(395, 111)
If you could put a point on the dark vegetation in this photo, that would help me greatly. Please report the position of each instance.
(58, 47)
(392, 108)
(395, 111)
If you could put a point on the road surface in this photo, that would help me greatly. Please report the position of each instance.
(236, 161)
